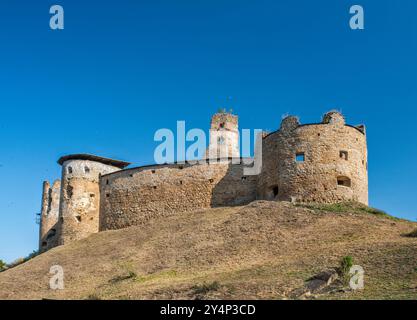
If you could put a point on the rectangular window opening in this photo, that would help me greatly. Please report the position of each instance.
(300, 157)
(343, 155)
(344, 181)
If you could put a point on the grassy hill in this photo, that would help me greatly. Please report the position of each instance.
(265, 250)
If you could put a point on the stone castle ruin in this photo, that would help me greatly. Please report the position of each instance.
(320, 162)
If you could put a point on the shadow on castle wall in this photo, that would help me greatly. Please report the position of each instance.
(234, 188)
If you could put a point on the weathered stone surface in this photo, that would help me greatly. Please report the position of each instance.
(328, 276)
(224, 136)
(316, 285)
(80, 198)
(334, 167)
(48, 231)
(132, 197)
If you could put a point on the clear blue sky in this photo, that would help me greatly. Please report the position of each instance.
(123, 69)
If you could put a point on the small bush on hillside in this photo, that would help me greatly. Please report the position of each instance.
(31, 255)
(2, 265)
(16, 262)
(23, 260)
(345, 264)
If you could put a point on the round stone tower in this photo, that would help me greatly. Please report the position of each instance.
(80, 195)
(319, 162)
(224, 136)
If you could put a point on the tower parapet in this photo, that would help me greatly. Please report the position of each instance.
(334, 117)
(289, 123)
(80, 194)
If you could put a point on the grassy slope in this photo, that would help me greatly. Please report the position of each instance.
(262, 251)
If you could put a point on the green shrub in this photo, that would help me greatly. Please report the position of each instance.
(31, 255)
(2, 265)
(22, 260)
(345, 264)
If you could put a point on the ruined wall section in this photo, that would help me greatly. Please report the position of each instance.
(80, 198)
(267, 182)
(325, 162)
(133, 196)
(48, 230)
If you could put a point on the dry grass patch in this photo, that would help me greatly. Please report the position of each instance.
(263, 250)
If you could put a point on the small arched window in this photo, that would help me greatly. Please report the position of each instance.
(86, 169)
(69, 170)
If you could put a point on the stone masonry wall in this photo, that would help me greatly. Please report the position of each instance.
(80, 198)
(324, 162)
(133, 196)
(334, 167)
(48, 231)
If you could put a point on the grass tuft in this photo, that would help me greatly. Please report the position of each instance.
(345, 264)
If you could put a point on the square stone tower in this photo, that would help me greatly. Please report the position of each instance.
(224, 136)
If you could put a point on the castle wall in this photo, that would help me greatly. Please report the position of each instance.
(133, 196)
(334, 167)
(48, 231)
(80, 198)
(324, 162)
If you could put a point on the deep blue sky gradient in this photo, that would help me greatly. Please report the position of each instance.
(123, 69)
